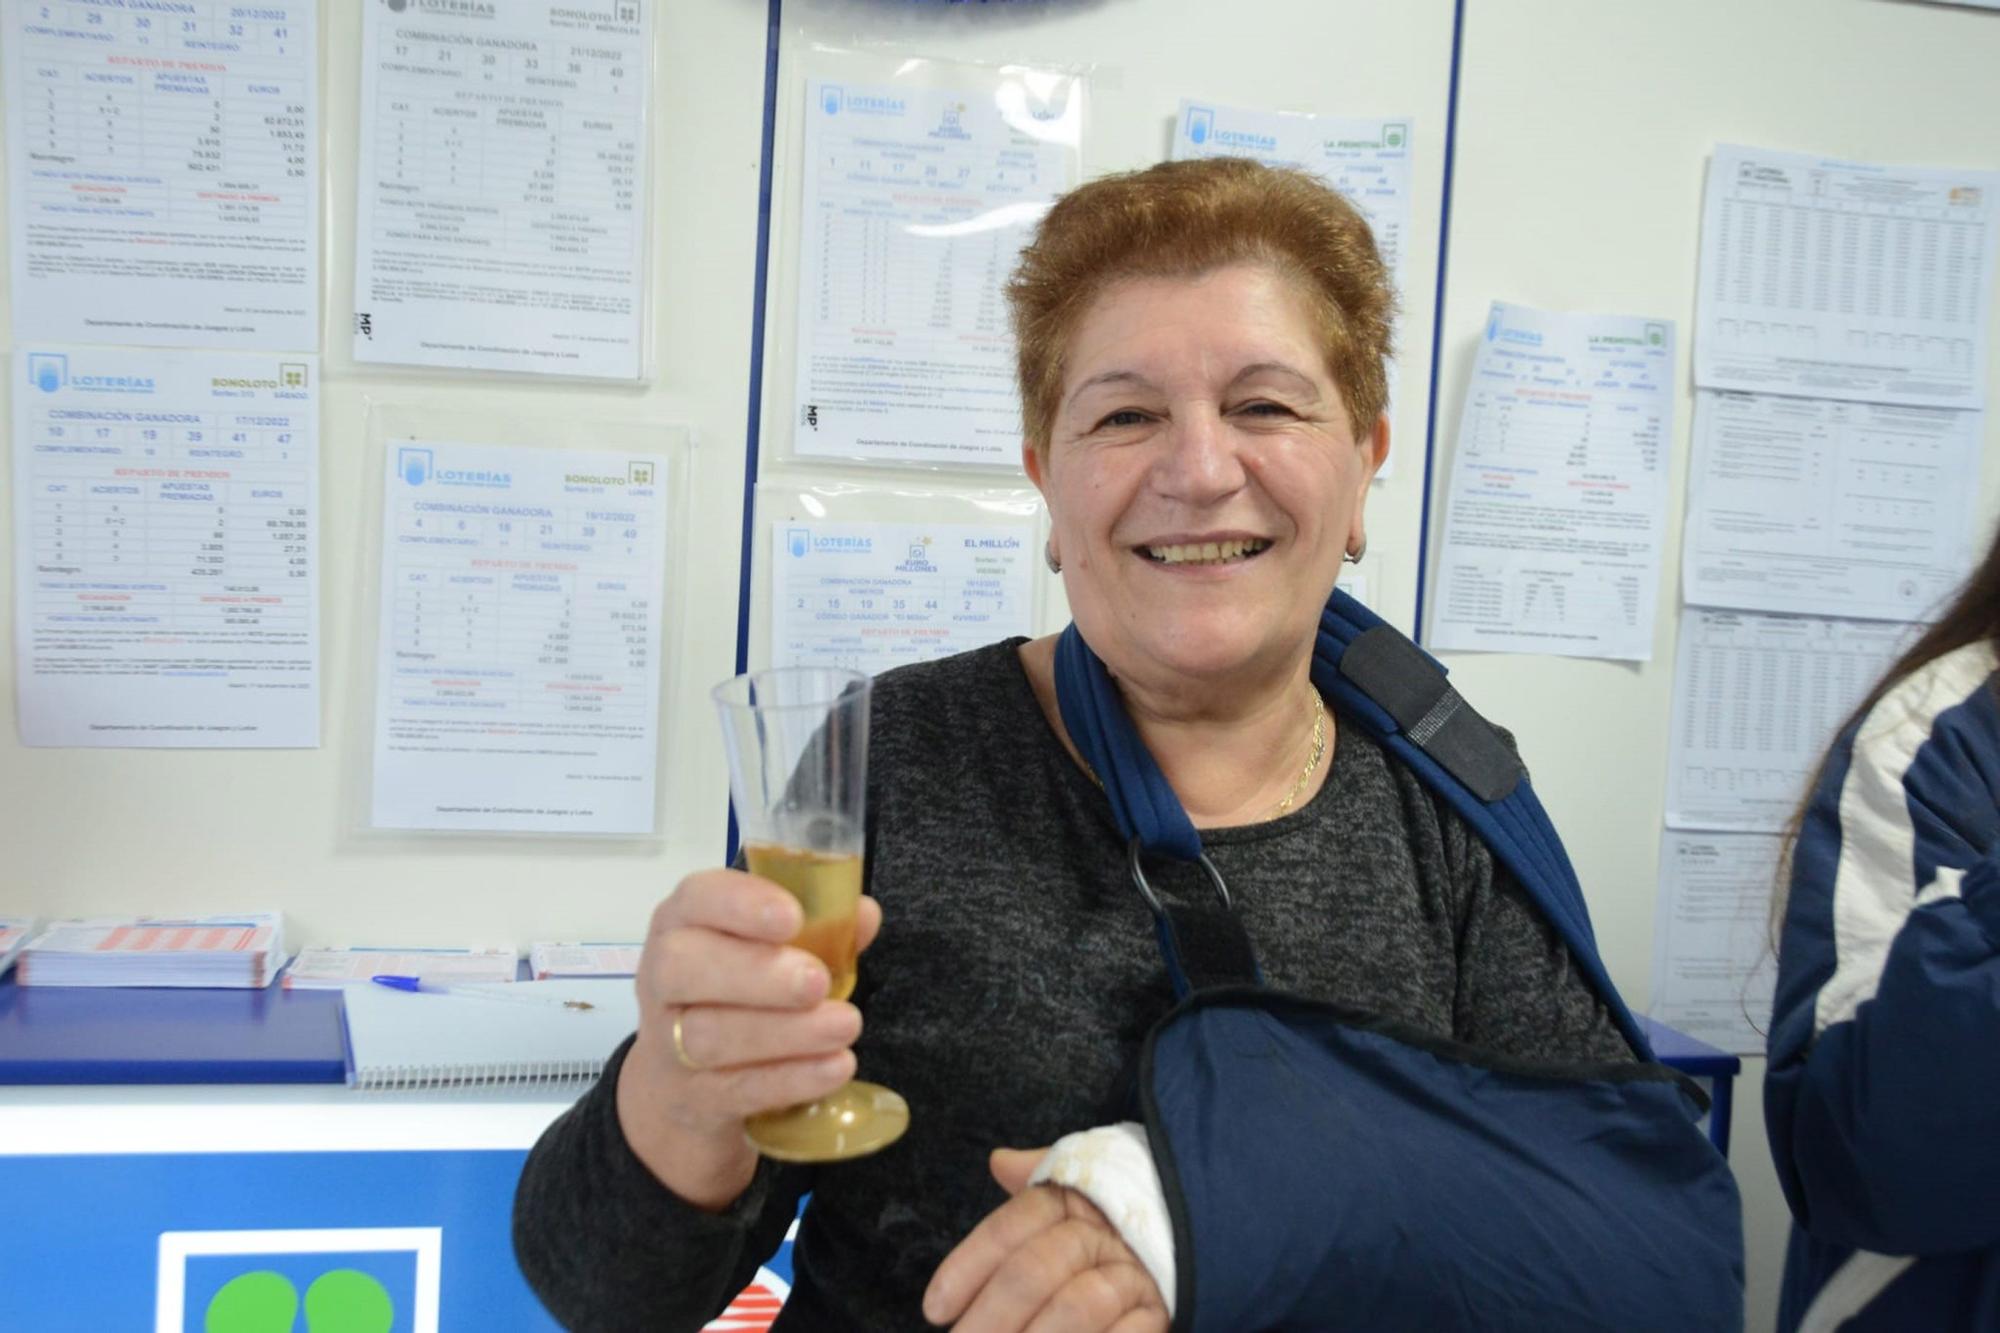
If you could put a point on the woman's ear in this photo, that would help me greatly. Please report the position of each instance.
(1032, 463)
(1375, 450)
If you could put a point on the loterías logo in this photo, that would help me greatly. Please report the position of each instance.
(755, 1307)
(333, 1280)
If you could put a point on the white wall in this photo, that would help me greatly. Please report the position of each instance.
(1584, 132)
(1584, 129)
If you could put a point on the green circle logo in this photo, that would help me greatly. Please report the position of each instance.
(342, 1300)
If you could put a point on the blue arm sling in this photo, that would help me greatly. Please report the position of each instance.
(1330, 1169)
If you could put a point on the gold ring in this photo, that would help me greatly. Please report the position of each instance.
(680, 1051)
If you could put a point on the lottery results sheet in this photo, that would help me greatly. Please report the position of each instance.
(1850, 280)
(1365, 159)
(163, 171)
(1757, 699)
(917, 202)
(1829, 508)
(502, 186)
(518, 671)
(1557, 504)
(870, 596)
(166, 558)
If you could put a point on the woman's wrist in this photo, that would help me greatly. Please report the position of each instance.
(707, 1167)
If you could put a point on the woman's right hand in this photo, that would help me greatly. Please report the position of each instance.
(756, 1028)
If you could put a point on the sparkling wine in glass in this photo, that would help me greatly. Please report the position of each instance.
(797, 740)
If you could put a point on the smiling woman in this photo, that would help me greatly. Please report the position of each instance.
(1204, 480)
(1201, 371)
(1201, 359)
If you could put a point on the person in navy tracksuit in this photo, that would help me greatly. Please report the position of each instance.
(1883, 1094)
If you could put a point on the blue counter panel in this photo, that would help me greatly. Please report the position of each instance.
(71, 1034)
(235, 1243)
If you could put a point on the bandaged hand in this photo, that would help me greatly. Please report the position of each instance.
(1047, 1260)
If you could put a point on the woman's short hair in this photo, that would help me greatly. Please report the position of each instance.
(1183, 219)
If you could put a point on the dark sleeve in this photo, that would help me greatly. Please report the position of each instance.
(1882, 1095)
(1519, 991)
(608, 1248)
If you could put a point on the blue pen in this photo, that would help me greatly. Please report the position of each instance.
(418, 986)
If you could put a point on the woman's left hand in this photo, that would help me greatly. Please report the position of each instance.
(1046, 1261)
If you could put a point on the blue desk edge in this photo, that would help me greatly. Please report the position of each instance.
(1677, 1050)
(78, 1035)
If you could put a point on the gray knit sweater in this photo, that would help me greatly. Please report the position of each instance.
(1015, 974)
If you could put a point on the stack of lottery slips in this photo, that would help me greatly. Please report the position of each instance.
(245, 951)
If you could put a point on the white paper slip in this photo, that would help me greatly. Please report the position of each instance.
(1757, 700)
(917, 203)
(1557, 500)
(518, 659)
(549, 958)
(327, 968)
(163, 172)
(166, 548)
(14, 933)
(1828, 508)
(235, 951)
(1846, 280)
(870, 596)
(502, 186)
(1714, 962)
(401, 1040)
(1366, 159)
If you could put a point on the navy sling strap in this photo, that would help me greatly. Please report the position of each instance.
(1325, 1168)
(1397, 693)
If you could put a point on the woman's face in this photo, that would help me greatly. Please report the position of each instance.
(1202, 477)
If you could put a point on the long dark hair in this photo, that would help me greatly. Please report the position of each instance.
(1973, 615)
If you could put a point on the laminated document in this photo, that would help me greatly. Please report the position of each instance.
(1849, 280)
(1557, 504)
(166, 558)
(870, 596)
(163, 172)
(917, 202)
(518, 657)
(1714, 957)
(1366, 159)
(502, 185)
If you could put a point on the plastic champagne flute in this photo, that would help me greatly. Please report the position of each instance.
(797, 740)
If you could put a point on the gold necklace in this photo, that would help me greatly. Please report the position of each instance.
(1312, 760)
(1305, 774)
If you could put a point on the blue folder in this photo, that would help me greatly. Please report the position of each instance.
(66, 1034)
